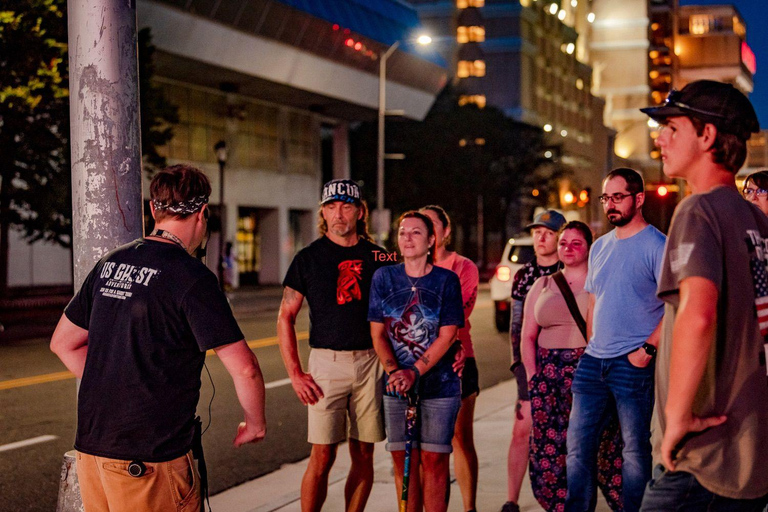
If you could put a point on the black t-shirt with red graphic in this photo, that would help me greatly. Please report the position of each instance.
(336, 282)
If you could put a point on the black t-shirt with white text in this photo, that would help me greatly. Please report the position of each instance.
(336, 282)
(151, 311)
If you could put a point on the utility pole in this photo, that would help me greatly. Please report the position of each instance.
(106, 149)
(381, 216)
(105, 129)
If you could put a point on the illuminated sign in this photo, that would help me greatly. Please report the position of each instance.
(748, 57)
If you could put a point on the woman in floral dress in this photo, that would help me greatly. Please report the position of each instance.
(552, 344)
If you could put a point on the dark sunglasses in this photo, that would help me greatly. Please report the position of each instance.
(673, 100)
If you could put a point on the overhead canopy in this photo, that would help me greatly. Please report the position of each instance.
(296, 52)
(385, 21)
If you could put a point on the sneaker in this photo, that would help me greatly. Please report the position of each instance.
(510, 506)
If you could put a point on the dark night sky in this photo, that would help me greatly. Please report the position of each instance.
(753, 11)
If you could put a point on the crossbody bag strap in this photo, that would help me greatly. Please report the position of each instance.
(570, 300)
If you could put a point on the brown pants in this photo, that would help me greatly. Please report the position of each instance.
(106, 486)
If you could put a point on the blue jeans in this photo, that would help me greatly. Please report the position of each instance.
(436, 421)
(680, 491)
(597, 385)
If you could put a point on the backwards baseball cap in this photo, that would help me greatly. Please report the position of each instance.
(712, 102)
(549, 219)
(341, 190)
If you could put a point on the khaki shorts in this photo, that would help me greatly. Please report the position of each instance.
(352, 386)
(106, 485)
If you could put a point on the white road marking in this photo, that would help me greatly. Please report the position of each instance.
(277, 383)
(26, 442)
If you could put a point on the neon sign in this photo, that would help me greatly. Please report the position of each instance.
(748, 57)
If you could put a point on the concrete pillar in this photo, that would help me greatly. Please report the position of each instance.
(341, 151)
(274, 233)
(285, 254)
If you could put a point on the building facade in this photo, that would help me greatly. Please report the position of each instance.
(711, 44)
(531, 59)
(278, 82)
(641, 49)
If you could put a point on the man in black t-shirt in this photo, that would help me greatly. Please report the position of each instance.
(344, 382)
(544, 233)
(136, 333)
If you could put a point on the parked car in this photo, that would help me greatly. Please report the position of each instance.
(517, 253)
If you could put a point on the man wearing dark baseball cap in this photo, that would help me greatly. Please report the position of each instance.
(708, 101)
(711, 420)
(346, 191)
(343, 385)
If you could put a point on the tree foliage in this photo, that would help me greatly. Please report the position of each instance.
(157, 115)
(34, 120)
(455, 155)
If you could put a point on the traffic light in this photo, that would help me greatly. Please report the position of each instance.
(585, 195)
(660, 202)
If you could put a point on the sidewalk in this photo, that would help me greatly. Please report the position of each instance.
(493, 426)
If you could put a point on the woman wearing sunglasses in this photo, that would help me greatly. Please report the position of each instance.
(756, 190)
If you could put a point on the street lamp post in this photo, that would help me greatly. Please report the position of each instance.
(221, 156)
(381, 218)
(381, 222)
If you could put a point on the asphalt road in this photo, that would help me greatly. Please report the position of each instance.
(44, 405)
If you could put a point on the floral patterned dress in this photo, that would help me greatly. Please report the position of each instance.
(552, 399)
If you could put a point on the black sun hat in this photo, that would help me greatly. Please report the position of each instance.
(712, 102)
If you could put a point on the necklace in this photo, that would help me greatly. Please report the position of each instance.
(572, 279)
(413, 283)
(161, 233)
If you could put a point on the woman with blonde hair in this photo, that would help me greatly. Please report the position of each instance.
(464, 453)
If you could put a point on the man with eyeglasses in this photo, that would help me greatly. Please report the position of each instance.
(623, 325)
(711, 421)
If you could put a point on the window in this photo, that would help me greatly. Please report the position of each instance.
(301, 143)
(701, 24)
(739, 28)
(257, 141)
(257, 137)
(470, 34)
(472, 99)
(467, 68)
(201, 123)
